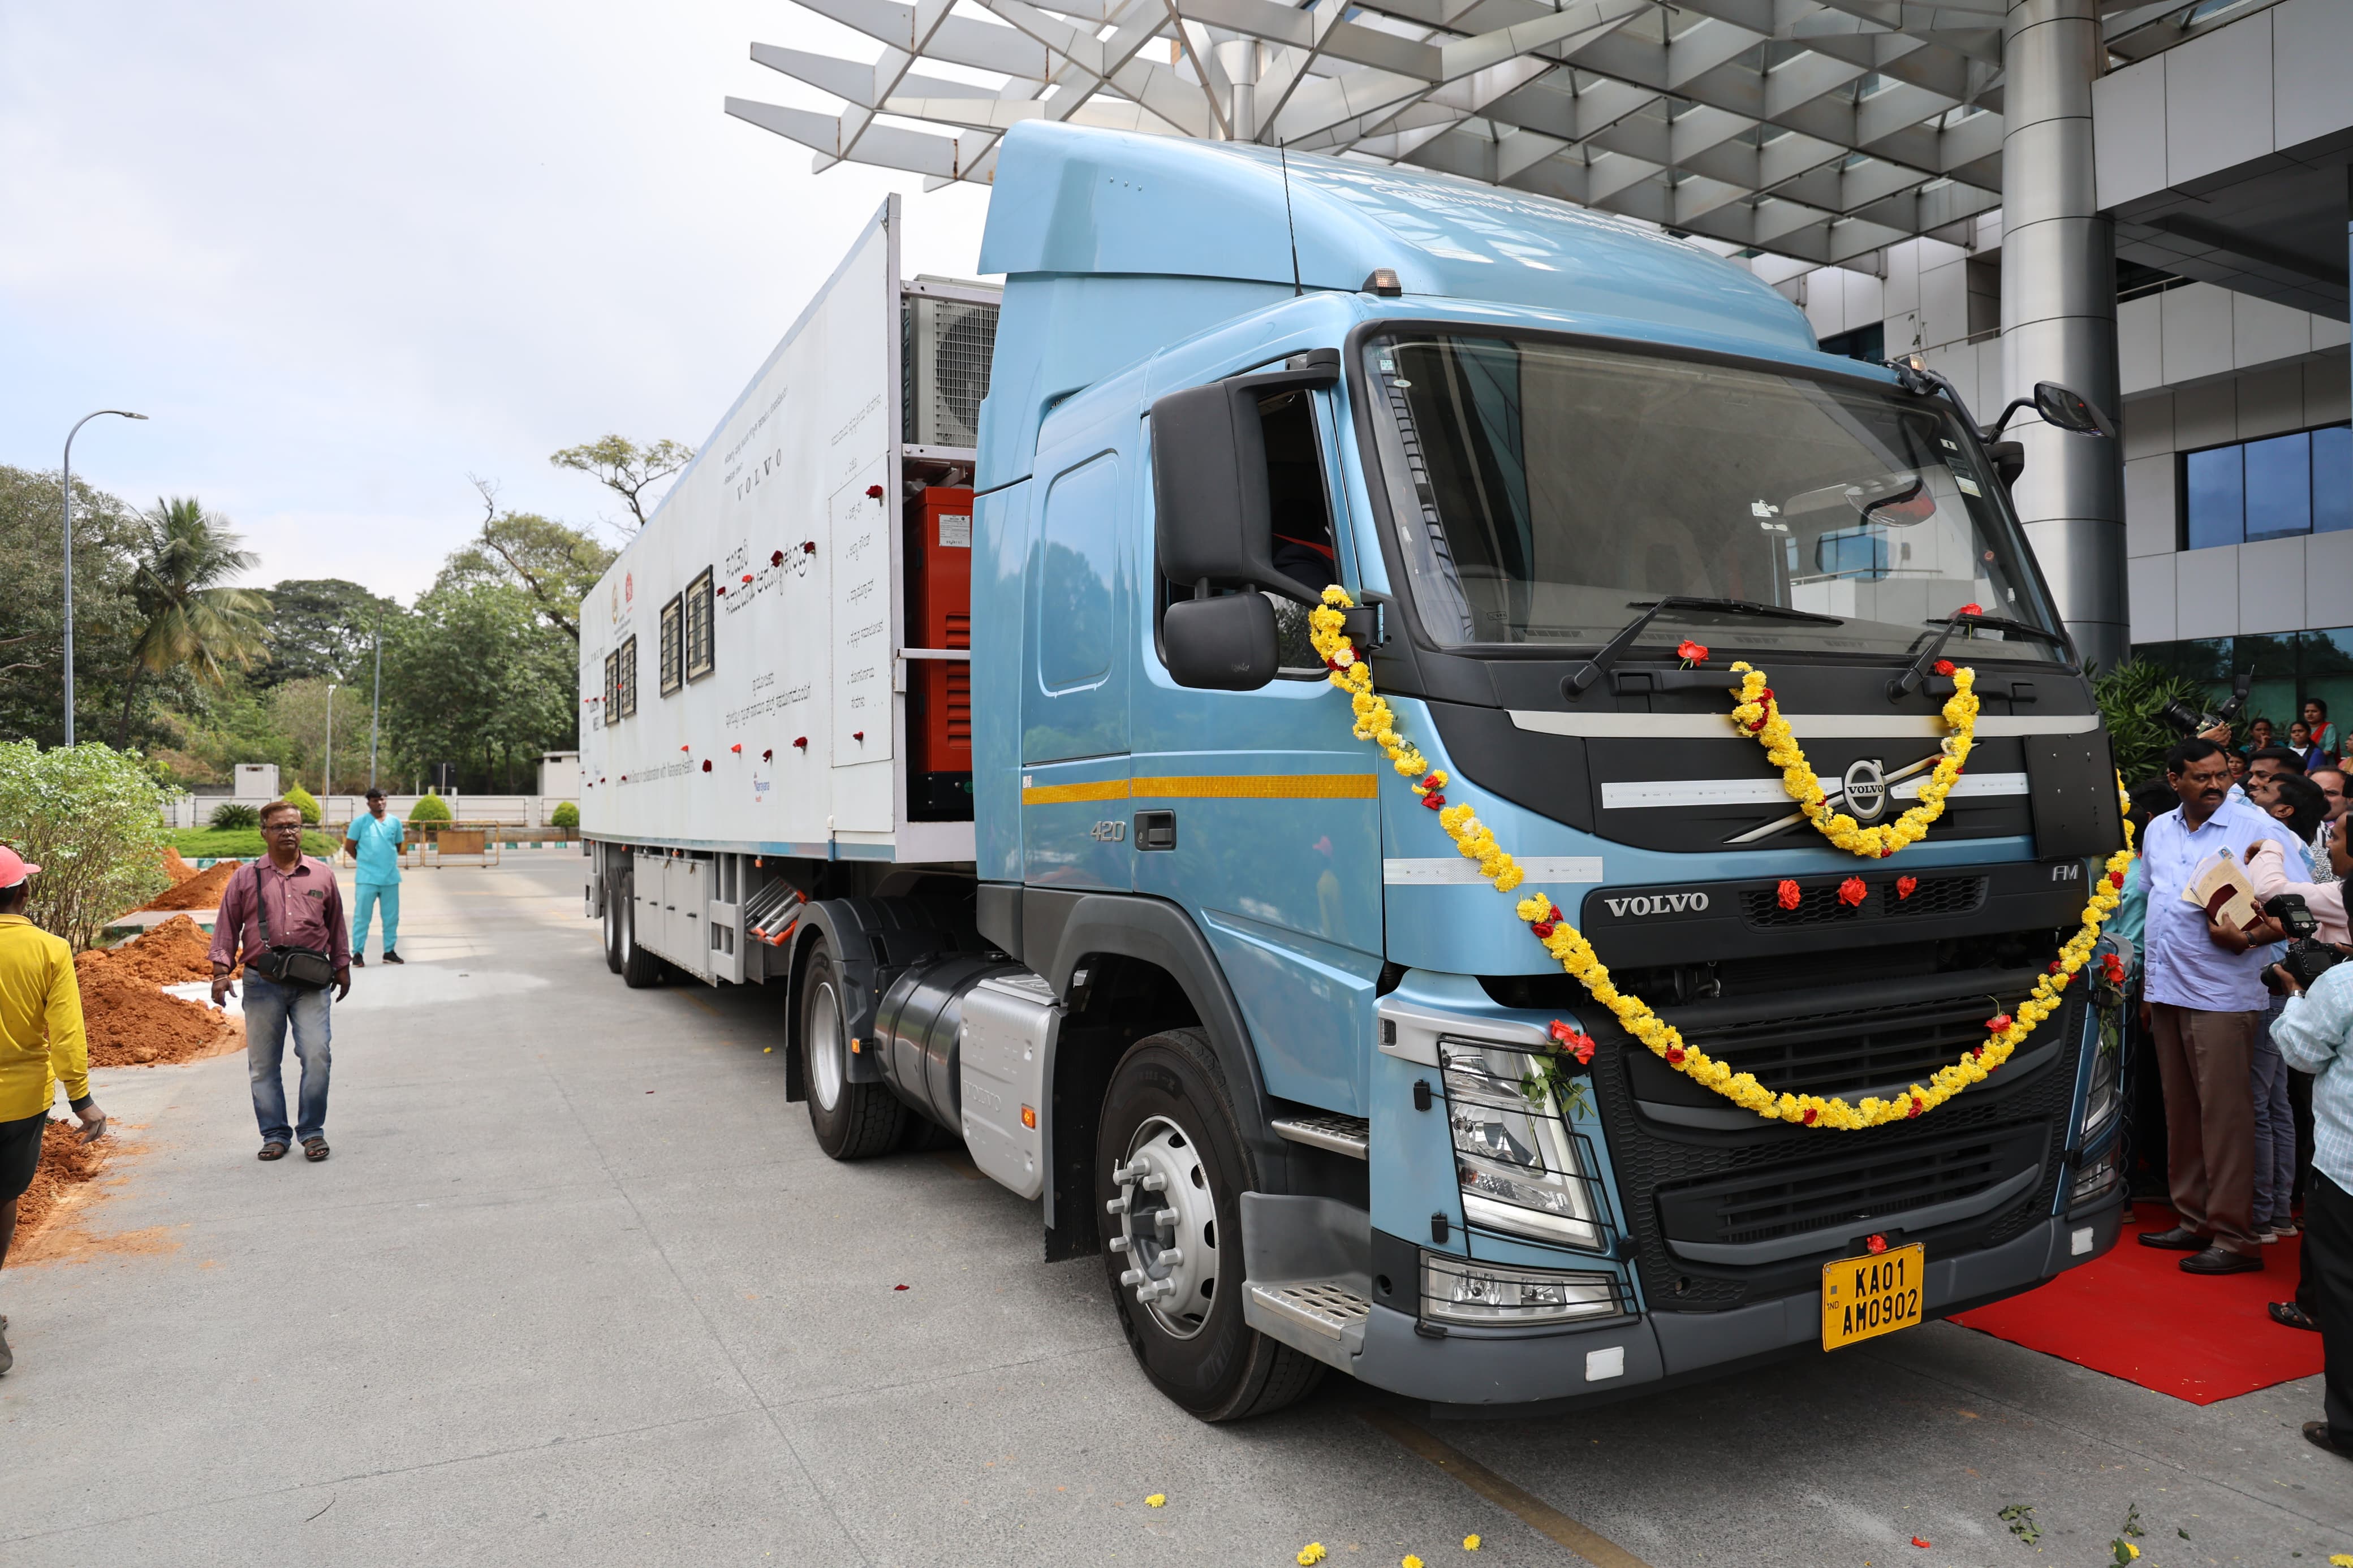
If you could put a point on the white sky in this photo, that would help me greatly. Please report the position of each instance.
(343, 257)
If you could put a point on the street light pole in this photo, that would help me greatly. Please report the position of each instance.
(122, 412)
(327, 774)
(375, 708)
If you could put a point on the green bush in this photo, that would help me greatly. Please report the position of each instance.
(565, 816)
(429, 808)
(91, 818)
(2131, 697)
(234, 816)
(303, 801)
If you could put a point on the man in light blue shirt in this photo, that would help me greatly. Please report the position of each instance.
(2203, 1001)
(374, 843)
(2314, 1033)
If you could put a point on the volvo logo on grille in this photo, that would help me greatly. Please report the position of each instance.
(1865, 787)
(1658, 904)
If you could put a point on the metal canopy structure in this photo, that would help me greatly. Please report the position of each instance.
(1818, 130)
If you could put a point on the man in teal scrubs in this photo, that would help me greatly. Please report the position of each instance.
(374, 843)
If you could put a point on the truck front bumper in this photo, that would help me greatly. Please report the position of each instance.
(1483, 1368)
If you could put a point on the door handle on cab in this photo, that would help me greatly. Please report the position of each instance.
(1155, 830)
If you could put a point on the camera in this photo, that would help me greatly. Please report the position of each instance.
(2309, 958)
(2187, 721)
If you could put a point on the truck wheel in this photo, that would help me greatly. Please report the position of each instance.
(852, 1120)
(1170, 1170)
(639, 968)
(613, 896)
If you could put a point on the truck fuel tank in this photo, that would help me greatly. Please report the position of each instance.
(968, 1042)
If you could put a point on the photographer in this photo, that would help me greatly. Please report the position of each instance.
(2298, 803)
(2204, 1003)
(2315, 1033)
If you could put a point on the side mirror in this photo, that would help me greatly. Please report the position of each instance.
(1220, 644)
(1213, 506)
(2070, 410)
(2008, 461)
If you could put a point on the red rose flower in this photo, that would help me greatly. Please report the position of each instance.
(1905, 885)
(2056, 966)
(1970, 610)
(1544, 929)
(2115, 878)
(1786, 894)
(1676, 1054)
(1691, 651)
(874, 492)
(1810, 1113)
(1435, 800)
(1432, 781)
(1943, 666)
(1555, 917)
(1917, 1106)
(1875, 1245)
(1853, 892)
(1998, 1023)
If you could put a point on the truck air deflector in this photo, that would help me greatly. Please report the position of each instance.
(1805, 726)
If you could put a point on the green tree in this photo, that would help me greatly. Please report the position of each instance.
(477, 678)
(2132, 698)
(32, 614)
(192, 618)
(626, 468)
(429, 808)
(553, 562)
(322, 627)
(92, 818)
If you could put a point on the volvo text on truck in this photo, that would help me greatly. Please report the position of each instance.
(968, 690)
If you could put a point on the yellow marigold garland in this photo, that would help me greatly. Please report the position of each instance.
(1377, 723)
(1756, 713)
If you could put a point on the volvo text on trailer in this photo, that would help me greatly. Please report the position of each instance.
(963, 689)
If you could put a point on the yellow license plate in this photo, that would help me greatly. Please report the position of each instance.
(1864, 1297)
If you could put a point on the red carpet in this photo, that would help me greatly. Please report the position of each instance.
(2134, 1314)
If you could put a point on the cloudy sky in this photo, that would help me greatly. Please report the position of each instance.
(345, 256)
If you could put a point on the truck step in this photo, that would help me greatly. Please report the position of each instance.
(1349, 1135)
(1323, 1306)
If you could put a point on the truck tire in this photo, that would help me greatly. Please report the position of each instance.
(612, 907)
(852, 1120)
(1167, 1120)
(639, 968)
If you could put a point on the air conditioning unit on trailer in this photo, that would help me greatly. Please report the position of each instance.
(949, 340)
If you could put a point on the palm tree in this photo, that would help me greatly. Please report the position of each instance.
(192, 617)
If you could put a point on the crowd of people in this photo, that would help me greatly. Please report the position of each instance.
(2247, 1119)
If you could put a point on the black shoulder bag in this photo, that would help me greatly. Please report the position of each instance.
(296, 968)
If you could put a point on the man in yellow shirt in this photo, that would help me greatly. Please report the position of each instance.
(41, 1045)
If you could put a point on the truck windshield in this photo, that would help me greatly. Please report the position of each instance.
(1547, 492)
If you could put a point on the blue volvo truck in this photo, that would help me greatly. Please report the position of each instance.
(981, 715)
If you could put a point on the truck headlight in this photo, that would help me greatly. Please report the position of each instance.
(1460, 1291)
(1515, 1156)
(2104, 1098)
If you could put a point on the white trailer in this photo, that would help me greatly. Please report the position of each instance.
(744, 671)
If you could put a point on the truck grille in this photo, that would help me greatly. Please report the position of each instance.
(1843, 1051)
(1799, 1179)
(1820, 904)
(1840, 1195)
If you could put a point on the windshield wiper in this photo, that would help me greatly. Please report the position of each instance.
(1905, 684)
(1594, 669)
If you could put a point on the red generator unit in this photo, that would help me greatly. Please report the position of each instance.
(939, 615)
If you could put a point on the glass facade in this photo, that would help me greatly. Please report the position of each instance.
(2276, 487)
(2289, 667)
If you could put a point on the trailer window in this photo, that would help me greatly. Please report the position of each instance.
(673, 645)
(698, 627)
(612, 688)
(627, 679)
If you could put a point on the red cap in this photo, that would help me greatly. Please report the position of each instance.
(13, 869)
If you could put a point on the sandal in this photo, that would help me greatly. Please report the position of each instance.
(315, 1149)
(273, 1149)
(2287, 1314)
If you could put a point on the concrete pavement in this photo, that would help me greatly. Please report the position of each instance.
(577, 1287)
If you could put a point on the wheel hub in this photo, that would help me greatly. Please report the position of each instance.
(827, 1070)
(1166, 1224)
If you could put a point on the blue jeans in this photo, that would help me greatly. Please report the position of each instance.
(2274, 1127)
(269, 1007)
(365, 899)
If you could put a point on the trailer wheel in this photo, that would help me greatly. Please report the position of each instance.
(1170, 1170)
(614, 894)
(639, 968)
(852, 1120)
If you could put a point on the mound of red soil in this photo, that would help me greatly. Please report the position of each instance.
(130, 1023)
(171, 953)
(175, 866)
(66, 1162)
(201, 891)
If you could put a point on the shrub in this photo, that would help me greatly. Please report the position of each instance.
(303, 801)
(565, 816)
(235, 813)
(2131, 697)
(429, 808)
(91, 818)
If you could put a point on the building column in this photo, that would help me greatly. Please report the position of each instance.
(2059, 315)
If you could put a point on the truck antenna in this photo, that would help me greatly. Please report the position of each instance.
(1284, 157)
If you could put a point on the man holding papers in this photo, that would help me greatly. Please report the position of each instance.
(2203, 1002)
